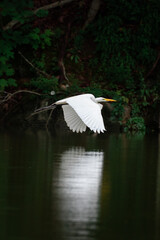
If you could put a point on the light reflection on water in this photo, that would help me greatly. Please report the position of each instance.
(76, 186)
(79, 188)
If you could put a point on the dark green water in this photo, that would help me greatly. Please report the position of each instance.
(79, 187)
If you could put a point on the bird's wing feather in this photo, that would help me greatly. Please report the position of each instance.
(73, 121)
(88, 111)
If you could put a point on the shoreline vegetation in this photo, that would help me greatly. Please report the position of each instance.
(55, 49)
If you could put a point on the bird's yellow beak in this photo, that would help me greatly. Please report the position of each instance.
(110, 100)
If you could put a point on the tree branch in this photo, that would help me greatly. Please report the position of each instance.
(154, 66)
(49, 118)
(60, 3)
(37, 69)
(43, 109)
(95, 5)
(63, 76)
(10, 95)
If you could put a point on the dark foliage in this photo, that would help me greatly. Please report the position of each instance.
(116, 55)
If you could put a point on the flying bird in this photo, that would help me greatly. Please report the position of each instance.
(82, 111)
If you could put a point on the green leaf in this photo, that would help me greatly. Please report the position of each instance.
(3, 83)
(46, 37)
(12, 82)
(9, 71)
(3, 59)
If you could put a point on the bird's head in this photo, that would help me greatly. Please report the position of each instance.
(102, 99)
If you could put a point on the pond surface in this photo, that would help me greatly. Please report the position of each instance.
(79, 187)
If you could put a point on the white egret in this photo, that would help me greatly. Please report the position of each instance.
(82, 111)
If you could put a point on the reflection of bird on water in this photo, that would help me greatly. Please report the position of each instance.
(82, 111)
(76, 186)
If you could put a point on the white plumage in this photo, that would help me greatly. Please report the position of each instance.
(83, 111)
(73, 121)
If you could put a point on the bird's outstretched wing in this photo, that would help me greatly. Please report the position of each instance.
(73, 121)
(88, 111)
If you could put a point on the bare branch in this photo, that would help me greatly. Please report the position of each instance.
(95, 5)
(59, 3)
(154, 66)
(49, 117)
(63, 76)
(37, 69)
(43, 109)
(10, 95)
(12, 23)
(63, 71)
